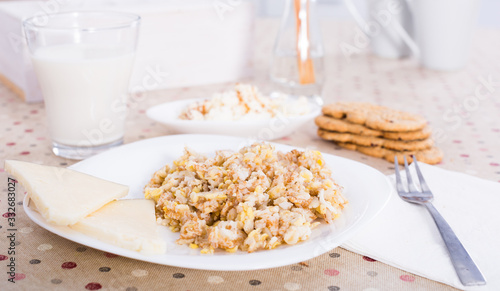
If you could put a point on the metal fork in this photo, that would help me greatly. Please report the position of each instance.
(465, 267)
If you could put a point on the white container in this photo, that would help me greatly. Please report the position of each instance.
(443, 31)
(439, 34)
(386, 42)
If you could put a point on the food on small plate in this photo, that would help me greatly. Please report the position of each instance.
(64, 196)
(130, 224)
(243, 112)
(87, 204)
(245, 102)
(256, 198)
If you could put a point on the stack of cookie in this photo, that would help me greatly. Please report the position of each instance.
(378, 131)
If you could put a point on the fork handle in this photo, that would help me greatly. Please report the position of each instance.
(465, 267)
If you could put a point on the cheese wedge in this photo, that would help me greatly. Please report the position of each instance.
(129, 224)
(63, 196)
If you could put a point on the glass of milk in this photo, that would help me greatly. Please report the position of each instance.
(83, 62)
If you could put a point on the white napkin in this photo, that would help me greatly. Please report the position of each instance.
(405, 236)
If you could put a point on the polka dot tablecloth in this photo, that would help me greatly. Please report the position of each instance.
(466, 125)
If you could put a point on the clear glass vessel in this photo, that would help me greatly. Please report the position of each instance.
(83, 62)
(297, 60)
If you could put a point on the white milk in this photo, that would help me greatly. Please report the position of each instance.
(85, 89)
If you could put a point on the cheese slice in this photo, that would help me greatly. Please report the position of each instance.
(64, 196)
(129, 224)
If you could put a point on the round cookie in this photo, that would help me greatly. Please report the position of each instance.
(340, 125)
(375, 116)
(372, 141)
(343, 126)
(430, 156)
(426, 132)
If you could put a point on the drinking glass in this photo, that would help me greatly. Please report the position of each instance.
(83, 62)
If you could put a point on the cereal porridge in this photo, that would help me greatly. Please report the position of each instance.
(255, 198)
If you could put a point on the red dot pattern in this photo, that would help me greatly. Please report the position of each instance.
(19, 276)
(110, 255)
(68, 265)
(407, 278)
(369, 259)
(93, 286)
(331, 272)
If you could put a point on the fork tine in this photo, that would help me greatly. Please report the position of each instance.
(423, 184)
(411, 186)
(399, 184)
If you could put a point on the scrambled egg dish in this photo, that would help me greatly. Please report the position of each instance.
(256, 198)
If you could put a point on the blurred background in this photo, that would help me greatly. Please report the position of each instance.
(335, 9)
(186, 41)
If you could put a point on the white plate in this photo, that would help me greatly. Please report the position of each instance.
(367, 190)
(268, 129)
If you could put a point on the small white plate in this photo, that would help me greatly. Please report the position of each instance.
(132, 164)
(266, 129)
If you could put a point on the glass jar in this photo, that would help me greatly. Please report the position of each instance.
(297, 60)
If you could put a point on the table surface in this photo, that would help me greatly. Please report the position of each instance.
(469, 134)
